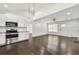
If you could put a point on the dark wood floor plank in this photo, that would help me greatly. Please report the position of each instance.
(38, 46)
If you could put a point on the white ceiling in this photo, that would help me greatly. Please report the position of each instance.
(25, 6)
(41, 9)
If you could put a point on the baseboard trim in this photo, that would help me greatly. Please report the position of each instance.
(1, 45)
(21, 41)
(39, 35)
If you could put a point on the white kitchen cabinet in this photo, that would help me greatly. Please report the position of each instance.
(12, 18)
(2, 30)
(2, 39)
(23, 36)
(2, 20)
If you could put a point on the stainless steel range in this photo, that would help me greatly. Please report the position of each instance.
(11, 33)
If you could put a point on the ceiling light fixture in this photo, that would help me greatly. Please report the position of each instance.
(31, 12)
(68, 13)
(5, 5)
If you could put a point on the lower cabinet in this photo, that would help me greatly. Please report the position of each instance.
(2, 39)
(23, 36)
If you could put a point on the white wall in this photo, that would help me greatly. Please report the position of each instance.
(71, 29)
(72, 26)
(39, 28)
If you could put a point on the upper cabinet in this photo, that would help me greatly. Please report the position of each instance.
(21, 21)
(2, 20)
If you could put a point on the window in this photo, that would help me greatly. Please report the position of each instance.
(52, 27)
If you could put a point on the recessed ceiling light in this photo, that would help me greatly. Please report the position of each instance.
(5, 6)
(33, 18)
(68, 13)
(32, 8)
(63, 25)
(6, 13)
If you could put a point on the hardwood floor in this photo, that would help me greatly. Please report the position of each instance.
(39, 46)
